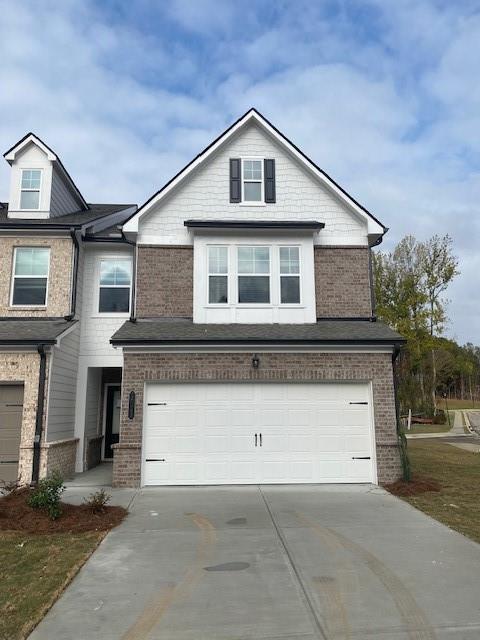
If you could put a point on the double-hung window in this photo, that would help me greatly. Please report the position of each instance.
(218, 275)
(253, 267)
(30, 189)
(252, 180)
(115, 284)
(289, 275)
(30, 276)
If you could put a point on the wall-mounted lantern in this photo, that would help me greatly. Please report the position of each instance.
(255, 361)
(131, 405)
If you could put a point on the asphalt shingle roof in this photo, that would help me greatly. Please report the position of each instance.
(172, 330)
(19, 331)
(78, 218)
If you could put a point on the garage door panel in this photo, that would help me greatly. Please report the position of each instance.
(310, 433)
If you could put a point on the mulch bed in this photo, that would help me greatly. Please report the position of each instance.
(416, 486)
(16, 515)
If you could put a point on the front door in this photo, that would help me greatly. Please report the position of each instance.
(112, 418)
(11, 411)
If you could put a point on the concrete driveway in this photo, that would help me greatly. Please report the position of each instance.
(296, 563)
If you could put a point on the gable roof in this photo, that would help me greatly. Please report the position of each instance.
(375, 227)
(31, 138)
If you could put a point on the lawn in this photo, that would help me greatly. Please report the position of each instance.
(34, 569)
(453, 403)
(428, 428)
(458, 473)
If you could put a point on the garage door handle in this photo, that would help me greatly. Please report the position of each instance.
(12, 404)
(360, 457)
(260, 439)
(358, 403)
(155, 460)
(157, 404)
(8, 461)
(256, 439)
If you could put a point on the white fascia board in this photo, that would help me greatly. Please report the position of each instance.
(10, 156)
(373, 227)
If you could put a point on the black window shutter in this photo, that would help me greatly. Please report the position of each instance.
(269, 173)
(235, 180)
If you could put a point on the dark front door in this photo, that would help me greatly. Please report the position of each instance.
(11, 411)
(112, 418)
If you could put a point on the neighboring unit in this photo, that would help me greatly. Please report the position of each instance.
(223, 333)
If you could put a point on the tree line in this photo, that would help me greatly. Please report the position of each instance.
(410, 290)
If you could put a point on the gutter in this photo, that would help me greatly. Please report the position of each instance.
(73, 299)
(134, 277)
(395, 354)
(39, 417)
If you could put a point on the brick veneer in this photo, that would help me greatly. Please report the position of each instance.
(342, 282)
(59, 456)
(187, 367)
(164, 281)
(59, 276)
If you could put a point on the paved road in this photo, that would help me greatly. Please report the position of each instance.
(273, 563)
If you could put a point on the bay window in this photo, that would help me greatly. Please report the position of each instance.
(289, 275)
(218, 275)
(254, 275)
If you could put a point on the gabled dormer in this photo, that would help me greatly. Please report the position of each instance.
(40, 186)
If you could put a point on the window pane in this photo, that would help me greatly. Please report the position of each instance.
(252, 169)
(28, 291)
(252, 191)
(29, 199)
(122, 273)
(253, 260)
(262, 259)
(289, 260)
(290, 289)
(254, 289)
(217, 289)
(115, 272)
(114, 300)
(31, 179)
(218, 260)
(245, 260)
(31, 261)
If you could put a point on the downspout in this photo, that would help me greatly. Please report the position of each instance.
(373, 302)
(134, 278)
(395, 354)
(73, 301)
(39, 417)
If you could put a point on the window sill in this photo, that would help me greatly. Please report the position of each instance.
(252, 204)
(251, 305)
(28, 307)
(120, 314)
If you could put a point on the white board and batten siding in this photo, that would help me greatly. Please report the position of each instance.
(205, 195)
(251, 433)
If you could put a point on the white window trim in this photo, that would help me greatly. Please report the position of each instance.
(253, 203)
(12, 286)
(227, 275)
(111, 314)
(299, 275)
(20, 208)
(238, 275)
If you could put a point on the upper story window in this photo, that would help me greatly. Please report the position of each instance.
(30, 189)
(217, 275)
(30, 276)
(252, 183)
(289, 275)
(253, 275)
(115, 285)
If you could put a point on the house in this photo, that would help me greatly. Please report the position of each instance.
(255, 355)
(65, 287)
(222, 333)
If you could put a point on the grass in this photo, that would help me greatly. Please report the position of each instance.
(34, 569)
(429, 428)
(453, 403)
(458, 473)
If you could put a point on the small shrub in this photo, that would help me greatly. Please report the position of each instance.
(97, 501)
(47, 494)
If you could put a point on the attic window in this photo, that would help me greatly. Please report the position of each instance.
(30, 189)
(252, 180)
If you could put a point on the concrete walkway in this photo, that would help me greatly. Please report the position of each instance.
(273, 563)
(457, 430)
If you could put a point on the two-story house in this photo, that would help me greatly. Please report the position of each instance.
(65, 287)
(254, 354)
(223, 333)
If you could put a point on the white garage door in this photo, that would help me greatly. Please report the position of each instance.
(244, 433)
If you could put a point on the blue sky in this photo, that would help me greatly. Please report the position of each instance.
(385, 96)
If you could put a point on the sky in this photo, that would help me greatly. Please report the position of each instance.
(383, 94)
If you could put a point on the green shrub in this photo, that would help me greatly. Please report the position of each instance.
(47, 495)
(97, 501)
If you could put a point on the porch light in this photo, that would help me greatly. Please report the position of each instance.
(255, 361)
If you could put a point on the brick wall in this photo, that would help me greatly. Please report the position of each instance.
(59, 278)
(342, 282)
(142, 367)
(59, 456)
(164, 281)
